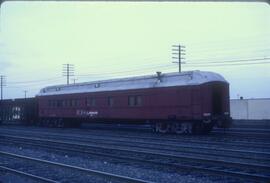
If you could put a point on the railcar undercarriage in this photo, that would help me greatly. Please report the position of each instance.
(196, 127)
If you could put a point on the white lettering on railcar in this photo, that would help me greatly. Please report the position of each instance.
(86, 113)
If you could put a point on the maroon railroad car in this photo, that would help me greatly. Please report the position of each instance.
(184, 102)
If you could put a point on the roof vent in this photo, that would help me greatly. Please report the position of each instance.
(159, 76)
(97, 85)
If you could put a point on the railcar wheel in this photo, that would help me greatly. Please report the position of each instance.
(198, 128)
(177, 128)
(162, 127)
(186, 128)
(60, 123)
(46, 123)
(55, 123)
(208, 128)
(181, 128)
(40, 122)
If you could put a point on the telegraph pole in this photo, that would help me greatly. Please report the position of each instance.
(25, 91)
(178, 50)
(74, 81)
(68, 70)
(2, 84)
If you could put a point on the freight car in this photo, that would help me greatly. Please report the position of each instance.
(24, 111)
(187, 102)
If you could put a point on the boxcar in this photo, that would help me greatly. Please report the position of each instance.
(24, 111)
(184, 102)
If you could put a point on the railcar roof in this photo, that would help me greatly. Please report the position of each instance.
(139, 82)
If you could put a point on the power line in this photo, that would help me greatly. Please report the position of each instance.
(218, 65)
(227, 43)
(35, 81)
(233, 61)
(169, 65)
(163, 66)
(125, 71)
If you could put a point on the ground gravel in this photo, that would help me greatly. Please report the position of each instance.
(154, 174)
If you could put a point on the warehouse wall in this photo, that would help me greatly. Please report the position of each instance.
(251, 109)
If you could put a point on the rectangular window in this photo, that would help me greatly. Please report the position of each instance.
(64, 103)
(59, 103)
(110, 101)
(138, 101)
(134, 101)
(54, 103)
(72, 103)
(131, 101)
(91, 102)
(77, 102)
(50, 103)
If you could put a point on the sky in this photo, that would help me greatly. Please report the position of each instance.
(106, 40)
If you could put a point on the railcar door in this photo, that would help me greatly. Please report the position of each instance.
(217, 99)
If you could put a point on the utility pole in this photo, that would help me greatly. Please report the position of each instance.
(68, 70)
(74, 81)
(2, 83)
(178, 50)
(25, 91)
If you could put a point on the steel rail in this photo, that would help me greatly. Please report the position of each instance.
(218, 152)
(172, 147)
(264, 145)
(27, 175)
(57, 142)
(193, 1)
(111, 176)
(162, 137)
(239, 174)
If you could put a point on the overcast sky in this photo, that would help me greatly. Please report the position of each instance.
(108, 40)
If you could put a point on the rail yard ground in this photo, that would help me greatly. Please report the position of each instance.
(99, 154)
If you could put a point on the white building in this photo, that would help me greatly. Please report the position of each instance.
(251, 109)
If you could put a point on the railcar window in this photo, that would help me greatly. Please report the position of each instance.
(54, 103)
(110, 101)
(59, 103)
(134, 100)
(64, 103)
(131, 101)
(91, 102)
(49, 103)
(73, 103)
(138, 100)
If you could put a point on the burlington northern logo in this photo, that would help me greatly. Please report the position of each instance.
(86, 113)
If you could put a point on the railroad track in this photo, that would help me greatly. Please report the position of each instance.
(246, 171)
(26, 175)
(207, 141)
(24, 161)
(244, 131)
(177, 148)
(187, 143)
(263, 134)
